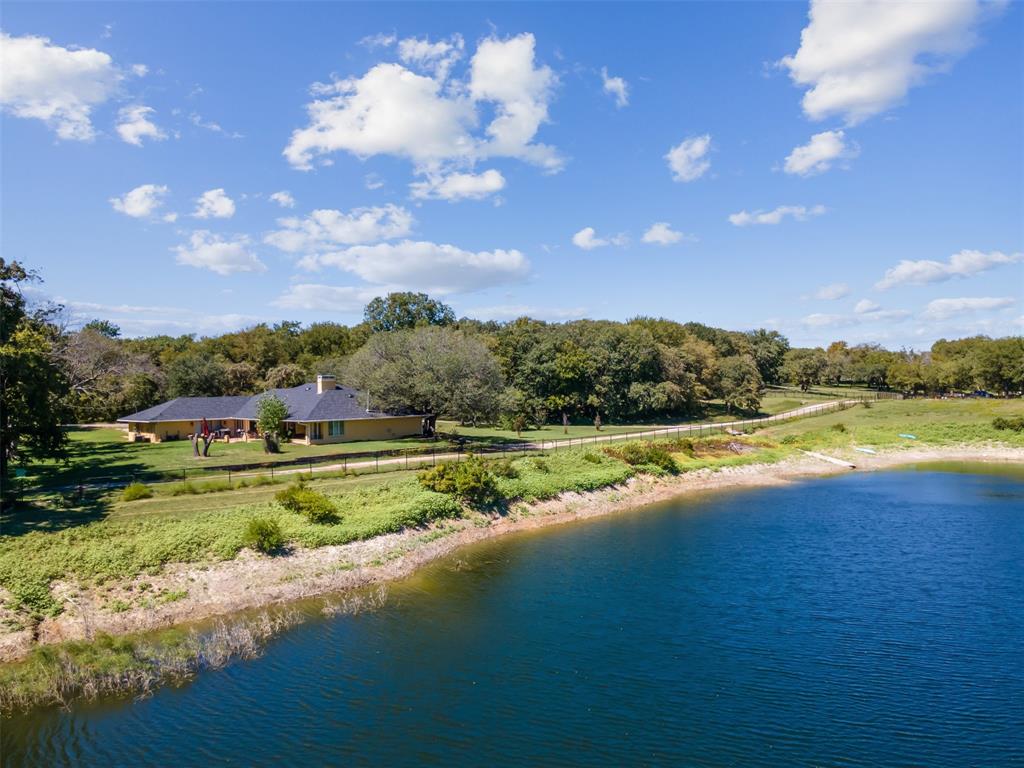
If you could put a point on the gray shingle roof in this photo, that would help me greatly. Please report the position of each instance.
(303, 402)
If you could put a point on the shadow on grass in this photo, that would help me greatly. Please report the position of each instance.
(54, 512)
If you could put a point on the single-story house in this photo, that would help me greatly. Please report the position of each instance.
(318, 413)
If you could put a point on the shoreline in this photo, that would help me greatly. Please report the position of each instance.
(252, 581)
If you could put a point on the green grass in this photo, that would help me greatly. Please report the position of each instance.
(102, 452)
(933, 422)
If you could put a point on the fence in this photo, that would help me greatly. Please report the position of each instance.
(373, 462)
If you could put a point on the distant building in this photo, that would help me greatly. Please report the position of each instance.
(318, 412)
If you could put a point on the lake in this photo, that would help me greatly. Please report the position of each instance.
(867, 619)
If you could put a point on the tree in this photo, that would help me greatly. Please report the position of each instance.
(805, 367)
(241, 378)
(769, 349)
(429, 370)
(284, 376)
(398, 311)
(195, 375)
(741, 383)
(32, 387)
(103, 327)
(271, 413)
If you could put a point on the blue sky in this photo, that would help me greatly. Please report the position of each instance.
(834, 171)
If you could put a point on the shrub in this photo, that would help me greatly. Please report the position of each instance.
(838, 427)
(469, 480)
(790, 439)
(136, 491)
(540, 465)
(592, 458)
(263, 534)
(504, 469)
(1015, 423)
(315, 506)
(642, 455)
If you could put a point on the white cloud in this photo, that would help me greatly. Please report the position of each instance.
(373, 181)
(865, 305)
(832, 291)
(141, 202)
(615, 87)
(661, 233)
(148, 319)
(688, 160)
(214, 204)
(134, 125)
(326, 229)
(392, 110)
(962, 264)
(225, 257)
(942, 309)
(818, 155)
(139, 70)
(425, 266)
(859, 58)
(380, 40)
(436, 58)
(863, 312)
(197, 120)
(514, 311)
(797, 212)
(587, 239)
(284, 199)
(458, 186)
(57, 85)
(324, 298)
(823, 320)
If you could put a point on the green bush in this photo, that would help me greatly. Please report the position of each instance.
(469, 480)
(838, 427)
(136, 491)
(1015, 423)
(315, 506)
(642, 455)
(591, 458)
(540, 465)
(263, 534)
(504, 469)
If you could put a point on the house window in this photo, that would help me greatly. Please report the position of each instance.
(335, 428)
(314, 430)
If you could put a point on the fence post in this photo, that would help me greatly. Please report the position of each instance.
(376, 462)
(310, 467)
(229, 477)
(271, 471)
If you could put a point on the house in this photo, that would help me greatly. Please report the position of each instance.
(318, 413)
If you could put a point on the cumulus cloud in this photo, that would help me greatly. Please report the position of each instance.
(963, 264)
(324, 298)
(688, 160)
(863, 312)
(284, 199)
(615, 87)
(425, 266)
(141, 202)
(661, 233)
(134, 125)
(326, 229)
(796, 212)
(392, 110)
(587, 239)
(458, 186)
(214, 204)
(832, 291)
(205, 250)
(859, 58)
(437, 58)
(60, 86)
(943, 309)
(818, 155)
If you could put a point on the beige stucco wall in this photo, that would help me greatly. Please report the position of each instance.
(372, 429)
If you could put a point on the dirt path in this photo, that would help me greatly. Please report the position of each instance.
(251, 580)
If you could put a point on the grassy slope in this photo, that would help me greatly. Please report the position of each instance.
(114, 539)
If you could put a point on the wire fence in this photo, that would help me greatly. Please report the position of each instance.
(446, 449)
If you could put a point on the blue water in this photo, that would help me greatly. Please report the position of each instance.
(872, 619)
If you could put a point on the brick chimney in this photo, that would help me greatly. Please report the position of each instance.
(324, 383)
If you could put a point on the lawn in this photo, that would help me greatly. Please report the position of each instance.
(933, 422)
(96, 453)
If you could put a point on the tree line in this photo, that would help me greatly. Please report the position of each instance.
(411, 352)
